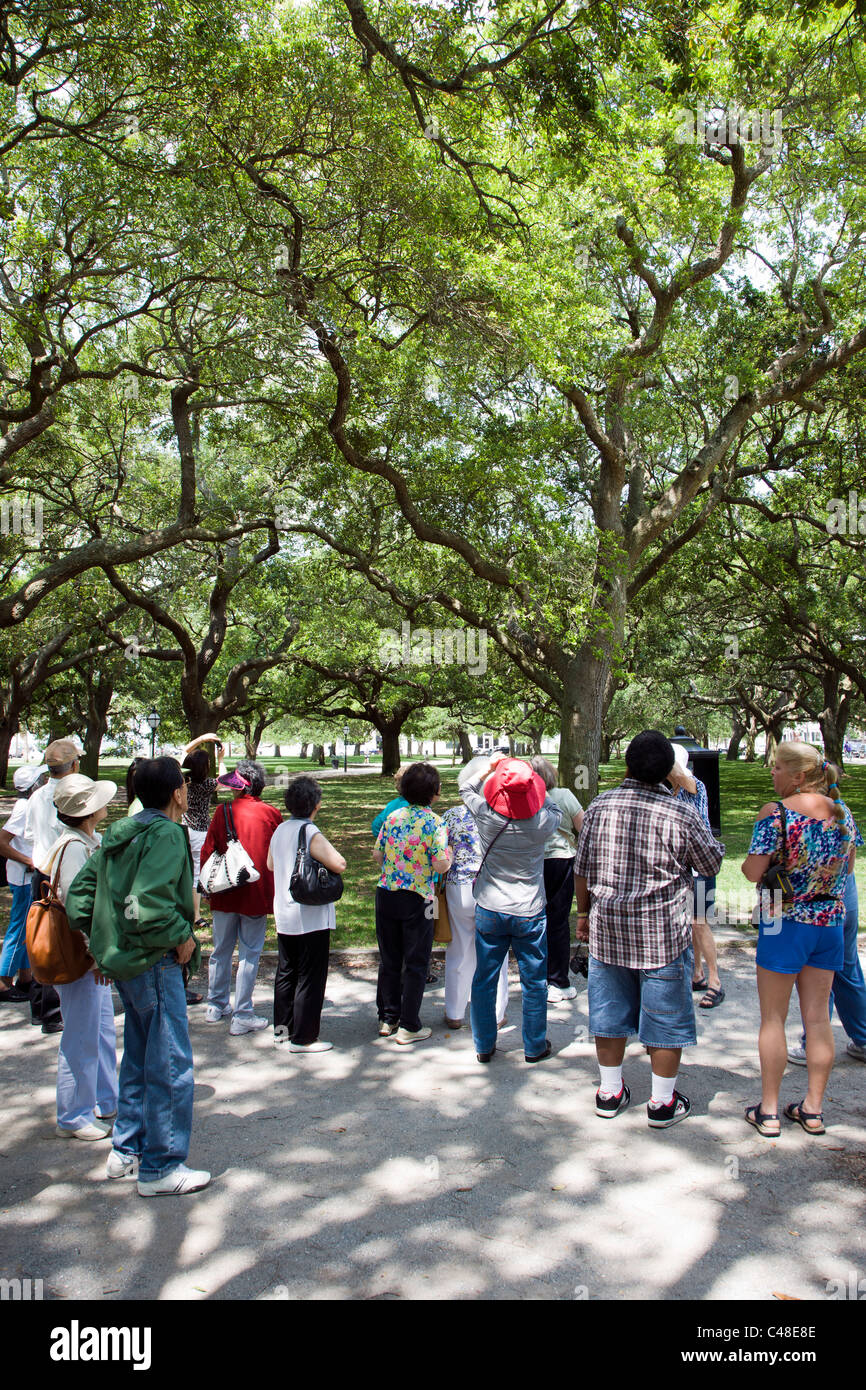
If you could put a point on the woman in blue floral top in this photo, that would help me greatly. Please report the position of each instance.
(805, 944)
(460, 957)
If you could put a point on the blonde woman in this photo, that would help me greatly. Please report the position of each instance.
(804, 945)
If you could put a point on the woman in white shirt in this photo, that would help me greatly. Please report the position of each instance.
(87, 1059)
(559, 855)
(303, 930)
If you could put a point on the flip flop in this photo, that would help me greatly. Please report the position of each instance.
(701, 983)
(756, 1117)
(799, 1116)
(712, 999)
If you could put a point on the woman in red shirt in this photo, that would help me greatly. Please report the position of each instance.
(240, 915)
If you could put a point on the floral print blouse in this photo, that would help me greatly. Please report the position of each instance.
(817, 859)
(465, 844)
(410, 840)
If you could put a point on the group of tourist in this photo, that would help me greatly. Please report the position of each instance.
(509, 861)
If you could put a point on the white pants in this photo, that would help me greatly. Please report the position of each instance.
(86, 1060)
(460, 955)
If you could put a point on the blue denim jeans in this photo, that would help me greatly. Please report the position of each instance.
(14, 954)
(495, 932)
(849, 987)
(249, 933)
(154, 1107)
(656, 1004)
(87, 1057)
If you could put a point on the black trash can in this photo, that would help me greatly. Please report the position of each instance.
(704, 763)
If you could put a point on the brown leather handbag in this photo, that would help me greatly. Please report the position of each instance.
(58, 955)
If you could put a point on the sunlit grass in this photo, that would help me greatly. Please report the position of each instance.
(349, 805)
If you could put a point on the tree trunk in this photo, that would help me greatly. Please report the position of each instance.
(581, 723)
(833, 719)
(735, 740)
(390, 751)
(8, 730)
(535, 735)
(606, 742)
(751, 735)
(277, 753)
(774, 735)
(304, 750)
(100, 689)
(510, 746)
(465, 745)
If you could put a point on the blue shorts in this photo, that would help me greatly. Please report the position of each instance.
(704, 896)
(785, 946)
(658, 1004)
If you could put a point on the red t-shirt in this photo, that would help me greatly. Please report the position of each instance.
(255, 822)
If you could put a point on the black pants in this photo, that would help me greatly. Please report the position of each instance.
(559, 888)
(405, 936)
(44, 999)
(299, 987)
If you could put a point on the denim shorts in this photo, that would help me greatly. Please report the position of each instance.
(656, 1004)
(704, 896)
(786, 946)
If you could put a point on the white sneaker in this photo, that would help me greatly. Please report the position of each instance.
(214, 1014)
(404, 1036)
(797, 1055)
(556, 995)
(318, 1046)
(119, 1166)
(253, 1023)
(179, 1181)
(94, 1131)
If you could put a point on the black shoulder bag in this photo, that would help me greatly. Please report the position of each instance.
(776, 878)
(311, 883)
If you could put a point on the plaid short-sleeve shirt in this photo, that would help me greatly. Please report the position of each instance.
(637, 849)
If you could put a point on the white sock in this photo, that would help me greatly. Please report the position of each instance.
(663, 1089)
(611, 1080)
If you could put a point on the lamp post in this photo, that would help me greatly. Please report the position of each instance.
(345, 743)
(153, 721)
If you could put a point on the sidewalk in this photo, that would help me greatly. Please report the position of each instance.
(376, 1171)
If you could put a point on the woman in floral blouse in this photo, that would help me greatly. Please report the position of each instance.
(412, 846)
(805, 944)
(460, 957)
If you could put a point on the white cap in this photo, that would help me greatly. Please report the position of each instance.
(24, 778)
(681, 755)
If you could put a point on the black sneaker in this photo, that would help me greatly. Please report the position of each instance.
(608, 1106)
(548, 1048)
(663, 1116)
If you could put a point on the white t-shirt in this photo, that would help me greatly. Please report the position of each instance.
(43, 827)
(291, 918)
(16, 874)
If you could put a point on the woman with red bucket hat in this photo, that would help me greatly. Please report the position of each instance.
(515, 817)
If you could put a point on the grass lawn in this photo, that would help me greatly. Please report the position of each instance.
(349, 805)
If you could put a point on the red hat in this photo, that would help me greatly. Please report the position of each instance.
(514, 790)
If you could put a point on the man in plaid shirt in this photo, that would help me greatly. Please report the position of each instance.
(633, 883)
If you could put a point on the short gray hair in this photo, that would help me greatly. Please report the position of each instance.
(254, 773)
(546, 771)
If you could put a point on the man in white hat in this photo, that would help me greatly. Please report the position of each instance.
(16, 849)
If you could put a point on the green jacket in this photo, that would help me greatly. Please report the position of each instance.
(133, 897)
